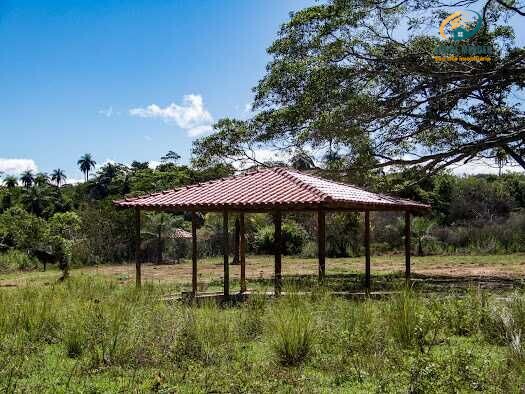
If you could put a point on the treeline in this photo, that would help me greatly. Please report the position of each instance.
(44, 219)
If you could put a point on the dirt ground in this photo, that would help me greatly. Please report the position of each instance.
(504, 267)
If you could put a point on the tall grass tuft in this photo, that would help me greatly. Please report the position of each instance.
(291, 335)
(405, 320)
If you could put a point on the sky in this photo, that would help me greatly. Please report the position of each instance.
(125, 80)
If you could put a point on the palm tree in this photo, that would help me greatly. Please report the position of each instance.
(27, 178)
(58, 176)
(422, 230)
(10, 182)
(41, 179)
(86, 164)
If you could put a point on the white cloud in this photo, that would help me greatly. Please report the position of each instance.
(483, 167)
(74, 181)
(190, 116)
(153, 164)
(108, 112)
(17, 166)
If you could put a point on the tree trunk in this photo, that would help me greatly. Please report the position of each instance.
(419, 247)
(159, 246)
(517, 157)
(236, 238)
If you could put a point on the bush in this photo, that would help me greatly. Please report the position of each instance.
(309, 249)
(15, 260)
(293, 237)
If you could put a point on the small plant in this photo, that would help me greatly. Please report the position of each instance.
(292, 336)
(74, 343)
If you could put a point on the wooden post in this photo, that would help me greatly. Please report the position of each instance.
(194, 253)
(278, 250)
(242, 252)
(226, 252)
(138, 268)
(367, 250)
(407, 245)
(321, 243)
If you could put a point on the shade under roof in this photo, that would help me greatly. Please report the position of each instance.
(269, 189)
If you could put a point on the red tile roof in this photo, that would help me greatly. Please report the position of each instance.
(268, 189)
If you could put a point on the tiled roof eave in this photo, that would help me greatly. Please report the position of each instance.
(268, 207)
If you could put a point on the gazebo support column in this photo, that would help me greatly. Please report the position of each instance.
(226, 252)
(367, 251)
(407, 245)
(138, 267)
(194, 253)
(277, 218)
(321, 243)
(242, 252)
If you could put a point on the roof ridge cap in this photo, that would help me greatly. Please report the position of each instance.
(386, 196)
(290, 175)
(194, 185)
(333, 181)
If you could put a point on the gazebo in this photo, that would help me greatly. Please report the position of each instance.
(271, 190)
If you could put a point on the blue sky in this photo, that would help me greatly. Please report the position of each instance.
(71, 71)
(125, 80)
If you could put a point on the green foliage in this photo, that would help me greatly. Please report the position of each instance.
(342, 70)
(293, 237)
(22, 230)
(66, 225)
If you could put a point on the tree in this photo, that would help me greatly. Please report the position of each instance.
(66, 225)
(27, 178)
(171, 156)
(35, 200)
(41, 179)
(58, 176)
(86, 164)
(22, 230)
(137, 165)
(10, 182)
(344, 77)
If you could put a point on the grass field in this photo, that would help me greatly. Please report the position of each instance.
(95, 333)
(259, 270)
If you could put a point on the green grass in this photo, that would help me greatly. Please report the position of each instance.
(96, 335)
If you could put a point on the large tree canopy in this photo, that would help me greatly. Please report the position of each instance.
(357, 80)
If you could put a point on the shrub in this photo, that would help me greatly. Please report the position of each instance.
(293, 237)
(14, 260)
